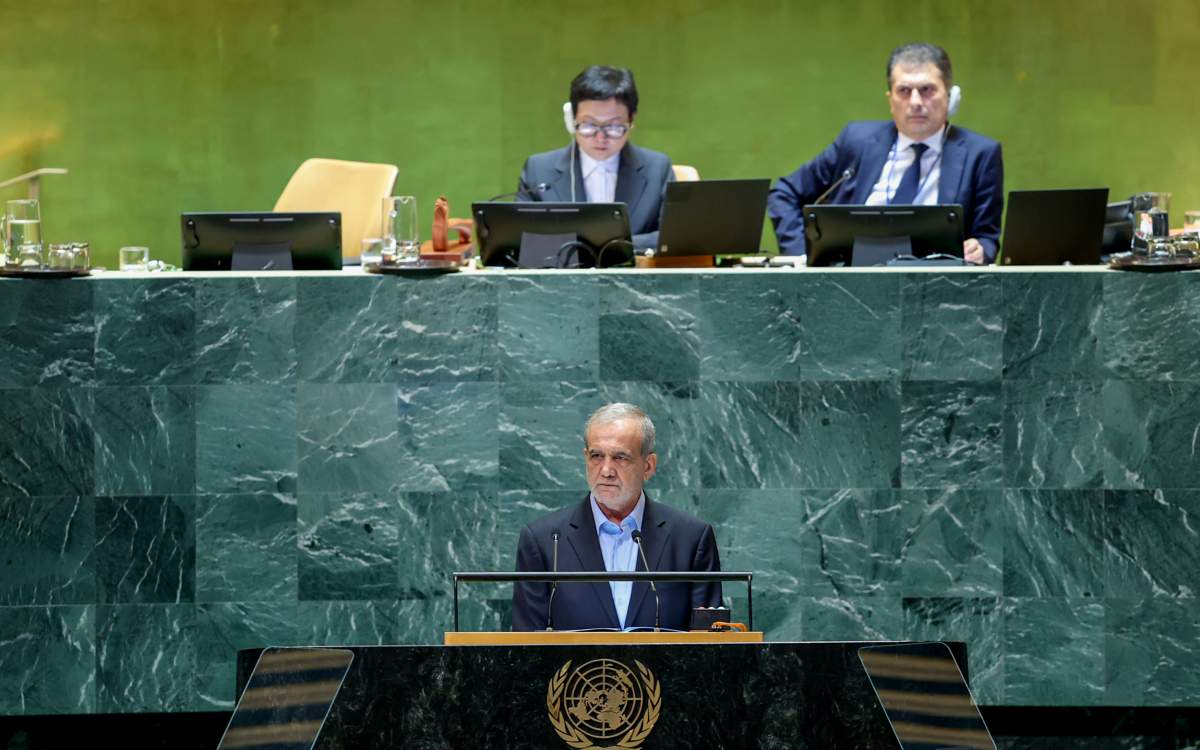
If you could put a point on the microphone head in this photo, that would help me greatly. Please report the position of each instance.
(848, 173)
(543, 187)
(636, 534)
(554, 534)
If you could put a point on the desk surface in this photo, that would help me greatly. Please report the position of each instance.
(593, 638)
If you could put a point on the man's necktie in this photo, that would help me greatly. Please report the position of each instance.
(906, 192)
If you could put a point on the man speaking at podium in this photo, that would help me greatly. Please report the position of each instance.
(602, 533)
(918, 158)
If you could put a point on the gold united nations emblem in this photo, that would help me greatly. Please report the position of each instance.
(604, 701)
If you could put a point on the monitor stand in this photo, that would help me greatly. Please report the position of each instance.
(273, 257)
(877, 251)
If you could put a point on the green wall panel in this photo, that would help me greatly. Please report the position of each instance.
(158, 107)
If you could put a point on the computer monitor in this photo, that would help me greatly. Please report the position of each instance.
(711, 217)
(262, 241)
(880, 232)
(1053, 227)
(583, 235)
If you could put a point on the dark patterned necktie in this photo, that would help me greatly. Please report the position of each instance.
(906, 193)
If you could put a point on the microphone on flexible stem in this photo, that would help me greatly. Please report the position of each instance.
(837, 183)
(637, 538)
(553, 585)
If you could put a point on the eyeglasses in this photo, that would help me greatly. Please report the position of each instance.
(591, 129)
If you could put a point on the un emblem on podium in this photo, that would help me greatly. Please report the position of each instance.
(604, 701)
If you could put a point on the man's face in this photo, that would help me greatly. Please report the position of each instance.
(918, 100)
(601, 113)
(616, 469)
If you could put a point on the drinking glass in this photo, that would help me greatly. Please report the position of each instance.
(83, 254)
(23, 226)
(61, 256)
(372, 250)
(400, 227)
(29, 255)
(1147, 207)
(1191, 221)
(134, 258)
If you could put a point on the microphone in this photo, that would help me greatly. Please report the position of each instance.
(553, 585)
(637, 538)
(837, 183)
(538, 189)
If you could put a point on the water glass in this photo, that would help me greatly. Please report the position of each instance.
(372, 250)
(1191, 221)
(23, 226)
(134, 258)
(400, 229)
(29, 255)
(62, 256)
(83, 254)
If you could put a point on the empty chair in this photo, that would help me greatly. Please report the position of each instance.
(354, 188)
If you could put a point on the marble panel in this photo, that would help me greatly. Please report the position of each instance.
(348, 438)
(349, 546)
(1150, 328)
(46, 442)
(951, 434)
(1052, 325)
(750, 435)
(750, 327)
(346, 623)
(1054, 434)
(763, 531)
(952, 542)
(851, 618)
(850, 326)
(46, 549)
(48, 660)
(1151, 434)
(245, 330)
(448, 436)
(441, 533)
(1152, 543)
(347, 329)
(979, 622)
(47, 333)
(223, 629)
(246, 439)
(145, 550)
(541, 434)
(515, 509)
(674, 409)
(146, 332)
(1053, 652)
(549, 328)
(1151, 648)
(849, 435)
(145, 440)
(649, 328)
(1055, 544)
(246, 548)
(952, 326)
(146, 658)
(449, 329)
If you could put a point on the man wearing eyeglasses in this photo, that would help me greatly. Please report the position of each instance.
(601, 165)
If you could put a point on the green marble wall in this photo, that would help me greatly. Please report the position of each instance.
(191, 465)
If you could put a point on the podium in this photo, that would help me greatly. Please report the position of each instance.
(656, 691)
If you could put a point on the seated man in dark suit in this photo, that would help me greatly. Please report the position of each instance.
(596, 535)
(916, 159)
(601, 165)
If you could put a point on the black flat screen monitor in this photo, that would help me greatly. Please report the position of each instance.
(711, 217)
(1053, 227)
(262, 241)
(602, 231)
(832, 232)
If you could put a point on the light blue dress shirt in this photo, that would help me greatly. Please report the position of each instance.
(900, 158)
(619, 550)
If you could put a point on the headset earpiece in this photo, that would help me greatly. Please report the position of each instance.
(569, 118)
(955, 100)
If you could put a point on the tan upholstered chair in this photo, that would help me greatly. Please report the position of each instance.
(355, 188)
(684, 173)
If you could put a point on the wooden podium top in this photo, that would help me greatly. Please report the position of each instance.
(594, 638)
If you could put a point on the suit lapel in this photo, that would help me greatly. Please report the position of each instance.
(655, 537)
(954, 158)
(583, 540)
(560, 186)
(870, 165)
(631, 183)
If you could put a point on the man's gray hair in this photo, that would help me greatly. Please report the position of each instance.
(921, 53)
(610, 413)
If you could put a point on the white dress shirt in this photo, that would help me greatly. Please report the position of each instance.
(900, 158)
(619, 551)
(600, 177)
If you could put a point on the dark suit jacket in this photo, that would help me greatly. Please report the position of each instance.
(972, 176)
(642, 178)
(673, 540)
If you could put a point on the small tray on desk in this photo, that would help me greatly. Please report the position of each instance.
(419, 268)
(44, 273)
(1155, 265)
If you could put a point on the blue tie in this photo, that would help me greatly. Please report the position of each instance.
(906, 193)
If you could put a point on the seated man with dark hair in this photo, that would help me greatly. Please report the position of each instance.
(918, 158)
(601, 165)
